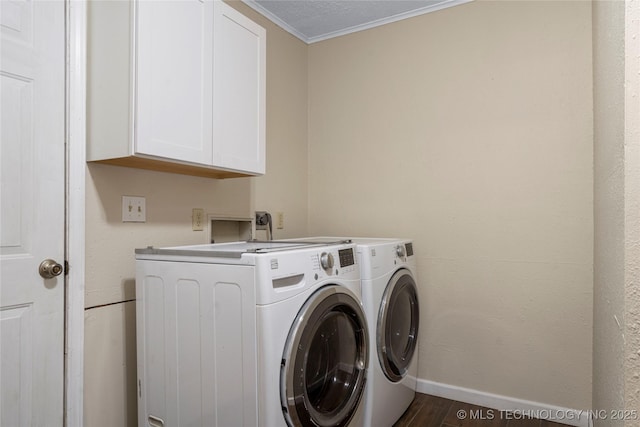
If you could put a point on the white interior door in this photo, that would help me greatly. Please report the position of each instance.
(32, 128)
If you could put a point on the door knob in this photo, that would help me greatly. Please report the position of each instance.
(50, 269)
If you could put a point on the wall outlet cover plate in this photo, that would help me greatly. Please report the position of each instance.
(197, 219)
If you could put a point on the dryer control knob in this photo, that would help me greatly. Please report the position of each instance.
(400, 251)
(326, 260)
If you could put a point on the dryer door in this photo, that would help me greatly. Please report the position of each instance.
(398, 321)
(324, 364)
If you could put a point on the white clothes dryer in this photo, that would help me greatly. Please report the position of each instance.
(390, 299)
(251, 334)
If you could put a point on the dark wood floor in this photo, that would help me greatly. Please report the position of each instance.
(431, 411)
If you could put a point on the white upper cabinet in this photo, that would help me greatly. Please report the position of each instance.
(174, 69)
(176, 86)
(239, 51)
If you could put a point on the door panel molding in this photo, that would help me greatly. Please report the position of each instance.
(75, 235)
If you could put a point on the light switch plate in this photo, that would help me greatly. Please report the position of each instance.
(134, 209)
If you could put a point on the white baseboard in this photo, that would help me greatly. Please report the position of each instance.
(506, 407)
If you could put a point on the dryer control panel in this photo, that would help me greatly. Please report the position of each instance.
(409, 248)
(404, 250)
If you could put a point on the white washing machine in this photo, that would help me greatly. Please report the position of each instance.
(251, 334)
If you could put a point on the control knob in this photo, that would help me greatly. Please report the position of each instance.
(326, 260)
(400, 251)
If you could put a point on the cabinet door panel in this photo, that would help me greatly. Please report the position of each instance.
(196, 344)
(238, 91)
(173, 79)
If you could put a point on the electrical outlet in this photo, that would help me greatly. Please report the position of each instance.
(134, 209)
(279, 220)
(197, 219)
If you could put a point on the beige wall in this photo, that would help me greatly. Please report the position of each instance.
(110, 373)
(616, 334)
(110, 396)
(283, 188)
(470, 130)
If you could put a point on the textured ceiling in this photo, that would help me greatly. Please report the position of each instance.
(315, 20)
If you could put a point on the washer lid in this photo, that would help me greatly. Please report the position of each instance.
(323, 371)
(398, 321)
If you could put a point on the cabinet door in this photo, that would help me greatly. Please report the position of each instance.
(239, 78)
(173, 79)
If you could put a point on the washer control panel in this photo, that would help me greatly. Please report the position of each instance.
(292, 271)
(346, 257)
(335, 262)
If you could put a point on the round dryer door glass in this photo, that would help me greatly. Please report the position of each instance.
(325, 360)
(398, 322)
